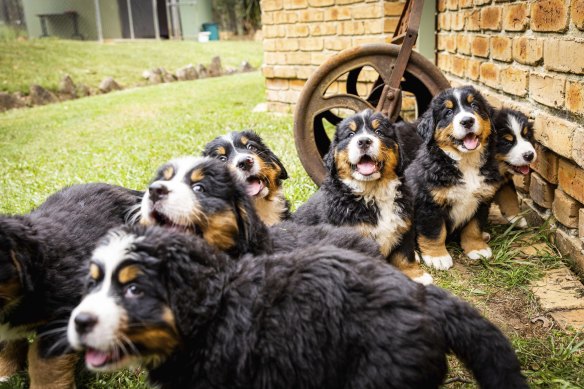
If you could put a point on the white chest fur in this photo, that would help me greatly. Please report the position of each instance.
(464, 197)
(391, 224)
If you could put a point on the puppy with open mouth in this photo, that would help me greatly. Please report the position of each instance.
(455, 173)
(515, 151)
(256, 165)
(319, 317)
(365, 189)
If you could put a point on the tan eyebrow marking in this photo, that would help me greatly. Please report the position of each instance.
(197, 175)
(168, 173)
(375, 123)
(221, 150)
(470, 98)
(525, 130)
(244, 140)
(353, 126)
(449, 104)
(129, 274)
(94, 271)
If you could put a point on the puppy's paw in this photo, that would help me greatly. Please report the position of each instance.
(486, 237)
(443, 262)
(4, 378)
(424, 279)
(477, 254)
(519, 221)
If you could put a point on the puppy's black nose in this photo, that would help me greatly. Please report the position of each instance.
(157, 191)
(84, 322)
(467, 122)
(364, 143)
(528, 156)
(245, 164)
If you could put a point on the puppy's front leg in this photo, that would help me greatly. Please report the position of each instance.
(53, 372)
(12, 358)
(403, 257)
(472, 242)
(506, 199)
(432, 243)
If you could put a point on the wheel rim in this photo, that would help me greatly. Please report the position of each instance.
(422, 78)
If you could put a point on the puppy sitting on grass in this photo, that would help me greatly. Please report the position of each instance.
(365, 189)
(43, 263)
(319, 317)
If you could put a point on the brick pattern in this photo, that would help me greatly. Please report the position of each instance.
(299, 35)
(528, 55)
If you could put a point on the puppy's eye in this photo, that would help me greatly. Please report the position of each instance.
(508, 137)
(198, 188)
(132, 291)
(449, 112)
(222, 158)
(91, 283)
(474, 106)
(378, 132)
(251, 147)
(351, 134)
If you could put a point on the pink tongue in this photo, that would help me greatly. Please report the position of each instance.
(95, 357)
(254, 186)
(471, 141)
(366, 167)
(524, 169)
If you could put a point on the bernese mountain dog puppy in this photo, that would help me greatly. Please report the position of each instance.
(515, 151)
(365, 189)
(319, 317)
(454, 173)
(43, 263)
(202, 196)
(256, 165)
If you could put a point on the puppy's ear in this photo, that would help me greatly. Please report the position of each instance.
(19, 244)
(253, 233)
(272, 157)
(426, 125)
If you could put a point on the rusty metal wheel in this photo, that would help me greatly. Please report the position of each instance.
(315, 106)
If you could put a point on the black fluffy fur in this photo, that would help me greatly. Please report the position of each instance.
(52, 245)
(337, 204)
(311, 318)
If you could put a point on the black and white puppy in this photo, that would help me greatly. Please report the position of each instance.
(258, 167)
(319, 317)
(454, 174)
(515, 151)
(43, 262)
(203, 196)
(364, 187)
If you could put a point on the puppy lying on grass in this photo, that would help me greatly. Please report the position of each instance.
(311, 318)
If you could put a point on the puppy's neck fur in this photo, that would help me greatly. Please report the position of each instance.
(271, 210)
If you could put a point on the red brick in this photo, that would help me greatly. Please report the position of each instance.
(458, 66)
(480, 46)
(555, 133)
(549, 16)
(571, 179)
(541, 192)
(548, 90)
(463, 43)
(473, 20)
(565, 209)
(575, 97)
(490, 74)
(515, 17)
(546, 164)
(473, 69)
(514, 81)
(501, 48)
(491, 18)
(578, 13)
(564, 55)
(528, 51)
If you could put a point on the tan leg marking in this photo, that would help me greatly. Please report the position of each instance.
(433, 251)
(472, 242)
(13, 357)
(51, 373)
(506, 199)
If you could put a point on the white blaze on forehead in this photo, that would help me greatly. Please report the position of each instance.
(229, 139)
(101, 302)
(459, 131)
(522, 146)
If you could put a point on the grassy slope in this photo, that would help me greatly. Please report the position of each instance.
(45, 61)
(121, 138)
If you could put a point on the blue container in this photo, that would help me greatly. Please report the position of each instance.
(213, 28)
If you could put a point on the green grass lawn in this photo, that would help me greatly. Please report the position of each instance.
(45, 61)
(121, 138)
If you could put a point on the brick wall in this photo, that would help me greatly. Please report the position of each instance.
(299, 35)
(529, 55)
